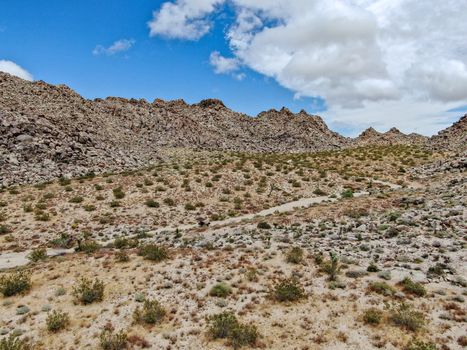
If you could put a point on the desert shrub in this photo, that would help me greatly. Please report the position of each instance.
(251, 275)
(381, 288)
(14, 343)
(89, 207)
(57, 320)
(40, 215)
(332, 266)
(4, 229)
(405, 317)
(87, 291)
(151, 203)
(89, 246)
(242, 335)
(412, 287)
(221, 325)
(151, 312)
(114, 204)
(372, 267)
(288, 290)
(220, 290)
(123, 242)
(113, 341)
(37, 255)
(420, 345)
(64, 181)
(226, 326)
(169, 201)
(122, 256)
(372, 316)
(153, 252)
(118, 193)
(15, 283)
(295, 255)
(348, 193)
(263, 225)
(189, 206)
(319, 192)
(76, 199)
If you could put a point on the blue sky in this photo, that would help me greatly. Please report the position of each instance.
(340, 59)
(54, 40)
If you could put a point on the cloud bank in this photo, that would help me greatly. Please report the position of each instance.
(364, 57)
(13, 69)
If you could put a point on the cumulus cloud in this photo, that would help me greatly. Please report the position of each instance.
(13, 69)
(121, 45)
(364, 57)
(223, 64)
(184, 19)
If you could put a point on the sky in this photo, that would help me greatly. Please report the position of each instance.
(357, 63)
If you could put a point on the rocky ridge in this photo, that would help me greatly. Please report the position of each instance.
(48, 131)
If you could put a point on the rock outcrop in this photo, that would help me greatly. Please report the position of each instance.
(453, 138)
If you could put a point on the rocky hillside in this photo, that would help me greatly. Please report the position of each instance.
(453, 138)
(371, 137)
(47, 131)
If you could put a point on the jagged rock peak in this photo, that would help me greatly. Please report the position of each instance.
(369, 132)
(211, 103)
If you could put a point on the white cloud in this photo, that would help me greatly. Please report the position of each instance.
(223, 65)
(13, 69)
(184, 19)
(121, 45)
(364, 57)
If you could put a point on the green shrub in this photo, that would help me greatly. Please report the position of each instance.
(87, 291)
(64, 181)
(189, 206)
(220, 290)
(372, 267)
(151, 312)
(332, 267)
(226, 326)
(118, 193)
(153, 252)
(113, 341)
(372, 316)
(263, 225)
(420, 345)
(14, 343)
(295, 255)
(89, 246)
(57, 320)
(122, 256)
(15, 283)
(348, 193)
(169, 201)
(221, 325)
(77, 199)
(319, 192)
(37, 255)
(288, 290)
(381, 288)
(405, 317)
(151, 203)
(89, 207)
(4, 230)
(412, 287)
(243, 335)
